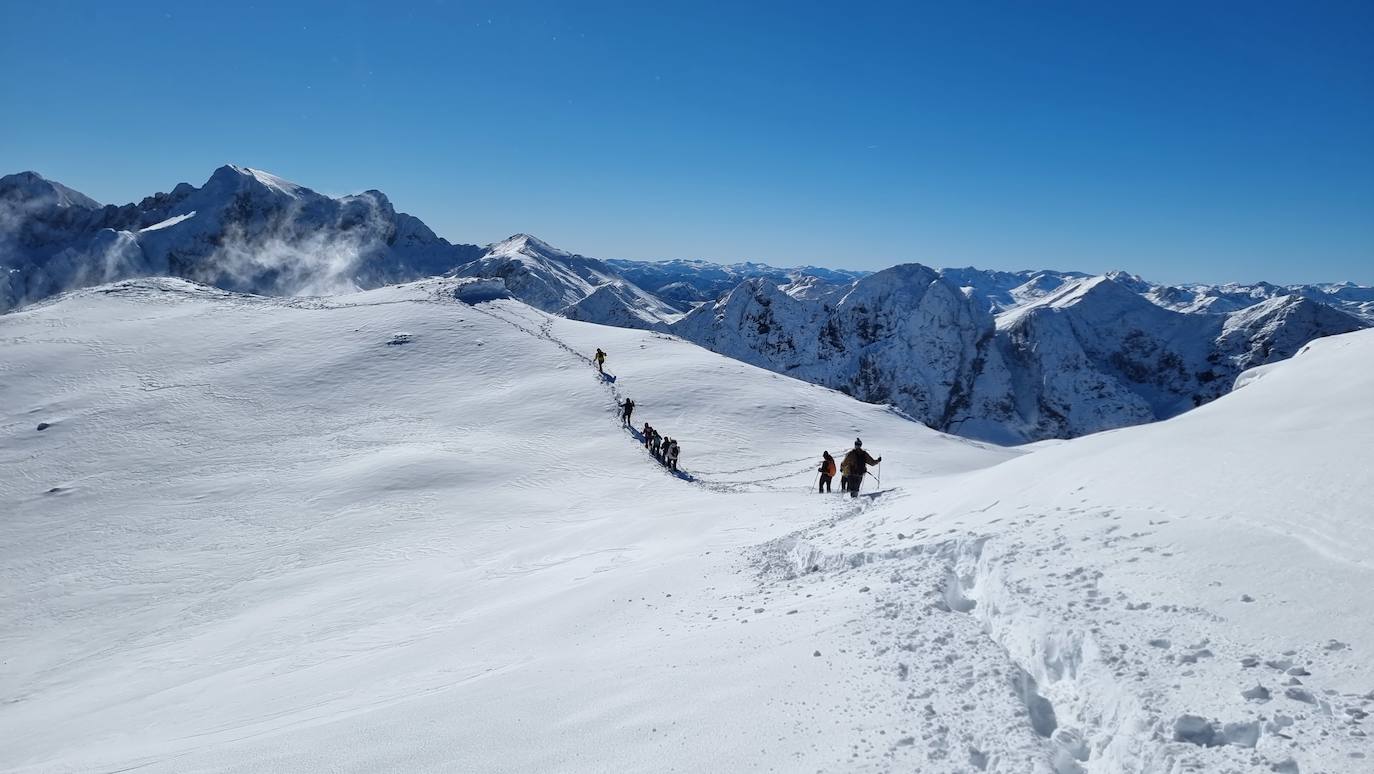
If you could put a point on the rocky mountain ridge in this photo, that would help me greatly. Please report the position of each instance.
(243, 230)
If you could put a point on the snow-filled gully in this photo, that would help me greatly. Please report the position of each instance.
(1073, 712)
(1044, 661)
(1083, 719)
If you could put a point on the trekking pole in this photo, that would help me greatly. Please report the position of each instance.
(878, 476)
(815, 481)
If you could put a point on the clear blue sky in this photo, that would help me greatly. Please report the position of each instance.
(1205, 141)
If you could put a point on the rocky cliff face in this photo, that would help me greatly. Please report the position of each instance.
(1091, 355)
(902, 336)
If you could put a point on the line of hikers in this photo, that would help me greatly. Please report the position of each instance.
(852, 469)
(666, 450)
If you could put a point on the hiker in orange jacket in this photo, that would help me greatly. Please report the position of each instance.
(827, 470)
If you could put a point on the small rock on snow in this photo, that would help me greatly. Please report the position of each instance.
(1195, 730)
(1300, 694)
(1241, 734)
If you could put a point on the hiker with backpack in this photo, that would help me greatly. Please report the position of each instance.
(600, 358)
(854, 467)
(626, 409)
(648, 434)
(827, 471)
(673, 451)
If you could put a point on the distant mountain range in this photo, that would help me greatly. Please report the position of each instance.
(1000, 356)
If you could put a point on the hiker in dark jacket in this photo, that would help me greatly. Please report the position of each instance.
(673, 451)
(827, 471)
(854, 467)
(648, 434)
(626, 409)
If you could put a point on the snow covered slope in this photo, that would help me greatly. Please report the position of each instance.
(391, 531)
(395, 531)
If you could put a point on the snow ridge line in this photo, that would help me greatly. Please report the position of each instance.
(544, 332)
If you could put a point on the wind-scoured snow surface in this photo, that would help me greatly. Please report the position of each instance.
(396, 530)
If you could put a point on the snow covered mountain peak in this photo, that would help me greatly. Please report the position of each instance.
(33, 189)
(1134, 282)
(528, 245)
(1106, 290)
(578, 287)
(235, 177)
(909, 280)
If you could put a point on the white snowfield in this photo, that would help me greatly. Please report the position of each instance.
(393, 531)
